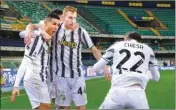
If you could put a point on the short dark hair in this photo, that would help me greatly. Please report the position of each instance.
(134, 35)
(55, 14)
(57, 11)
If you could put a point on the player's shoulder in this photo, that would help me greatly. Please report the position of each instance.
(82, 29)
(119, 43)
(147, 48)
(116, 44)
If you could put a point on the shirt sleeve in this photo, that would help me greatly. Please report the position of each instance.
(86, 39)
(153, 67)
(22, 34)
(106, 58)
(35, 47)
(21, 71)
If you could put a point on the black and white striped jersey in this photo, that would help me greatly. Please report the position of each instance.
(66, 51)
(38, 51)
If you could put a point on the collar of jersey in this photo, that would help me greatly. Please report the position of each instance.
(132, 40)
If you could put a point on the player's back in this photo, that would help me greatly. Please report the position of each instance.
(130, 63)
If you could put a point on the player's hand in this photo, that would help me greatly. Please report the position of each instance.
(15, 92)
(75, 26)
(27, 37)
(44, 34)
(107, 73)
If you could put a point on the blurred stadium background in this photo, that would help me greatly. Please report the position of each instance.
(106, 22)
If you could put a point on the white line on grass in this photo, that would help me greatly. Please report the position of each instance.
(10, 96)
(25, 94)
(95, 81)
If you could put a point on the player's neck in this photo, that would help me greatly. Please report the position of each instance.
(66, 27)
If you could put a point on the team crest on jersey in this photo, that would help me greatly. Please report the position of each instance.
(68, 44)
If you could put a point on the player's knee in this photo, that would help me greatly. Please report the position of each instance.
(61, 107)
(45, 106)
(83, 107)
(48, 106)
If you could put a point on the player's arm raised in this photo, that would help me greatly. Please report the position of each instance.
(27, 35)
(29, 32)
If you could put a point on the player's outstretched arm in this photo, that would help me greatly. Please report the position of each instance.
(153, 67)
(97, 54)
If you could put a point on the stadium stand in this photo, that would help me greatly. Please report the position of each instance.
(167, 16)
(111, 19)
(92, 19)
(32, 10)
(11, 42)
(82, 22)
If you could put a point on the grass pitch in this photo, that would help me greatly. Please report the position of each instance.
(161, 95)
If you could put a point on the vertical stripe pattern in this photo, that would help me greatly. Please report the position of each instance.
(62, 56)
(51, 60)
(42, 64)
(85, 40)
(71, 56)
(78, 51)
(34, 46)
(56, 44)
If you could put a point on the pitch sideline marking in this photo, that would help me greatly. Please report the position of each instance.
(25, 94)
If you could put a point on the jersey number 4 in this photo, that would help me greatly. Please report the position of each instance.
(80, 91)
(127, 57)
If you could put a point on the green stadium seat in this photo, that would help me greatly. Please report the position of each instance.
(32, 10)
(82, 22)
(113, 22)
(167, 17)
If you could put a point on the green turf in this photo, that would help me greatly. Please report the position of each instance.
(160, 94)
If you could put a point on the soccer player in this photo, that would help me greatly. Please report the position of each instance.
(134, 63)
(27, 39)
(66, 60)
(34, 66)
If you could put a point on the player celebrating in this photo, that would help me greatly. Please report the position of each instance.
(134, 64)
(27, 35)
(34, 66)
(70, 79)
(66, 60)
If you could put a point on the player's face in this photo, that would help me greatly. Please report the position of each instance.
(70, 19)
(51, 26)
